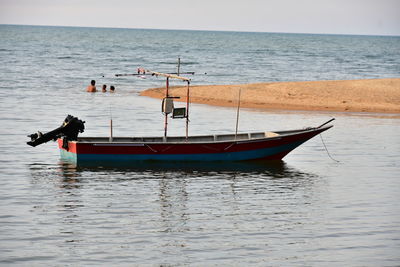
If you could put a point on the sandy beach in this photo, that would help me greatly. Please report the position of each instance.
(373, 95)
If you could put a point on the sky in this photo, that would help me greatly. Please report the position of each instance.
(365, 17)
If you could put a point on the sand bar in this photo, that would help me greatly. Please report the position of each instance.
(374, 95)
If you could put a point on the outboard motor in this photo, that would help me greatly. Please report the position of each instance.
(69, 131)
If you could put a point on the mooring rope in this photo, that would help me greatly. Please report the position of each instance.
(326, 149)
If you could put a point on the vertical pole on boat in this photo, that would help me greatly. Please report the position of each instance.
(166, 115)
(179, 66)
(111, 130)
(237, 113)
(187, 110)
(111, 126)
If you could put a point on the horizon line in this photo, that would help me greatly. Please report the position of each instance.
(202, 30)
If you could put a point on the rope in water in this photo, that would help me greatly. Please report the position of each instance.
(326, 149)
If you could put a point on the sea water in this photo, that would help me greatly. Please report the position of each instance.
(308, 210)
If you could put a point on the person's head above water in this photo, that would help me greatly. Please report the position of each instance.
(93, 82)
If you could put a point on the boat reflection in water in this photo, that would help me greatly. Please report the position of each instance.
(265, 169)
(168, 205)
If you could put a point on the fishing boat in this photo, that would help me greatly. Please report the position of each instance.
(226, 147)
(264, 146)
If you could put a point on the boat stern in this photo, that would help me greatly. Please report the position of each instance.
(68, 153)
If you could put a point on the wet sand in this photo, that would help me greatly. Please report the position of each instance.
(374, 95)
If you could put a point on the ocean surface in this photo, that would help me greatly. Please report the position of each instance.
(308, 210)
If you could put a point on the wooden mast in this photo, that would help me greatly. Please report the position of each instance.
(168, 76)
(179, 66)
(173, 76)
(187, 109)
(237, 113)
(166, 114)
